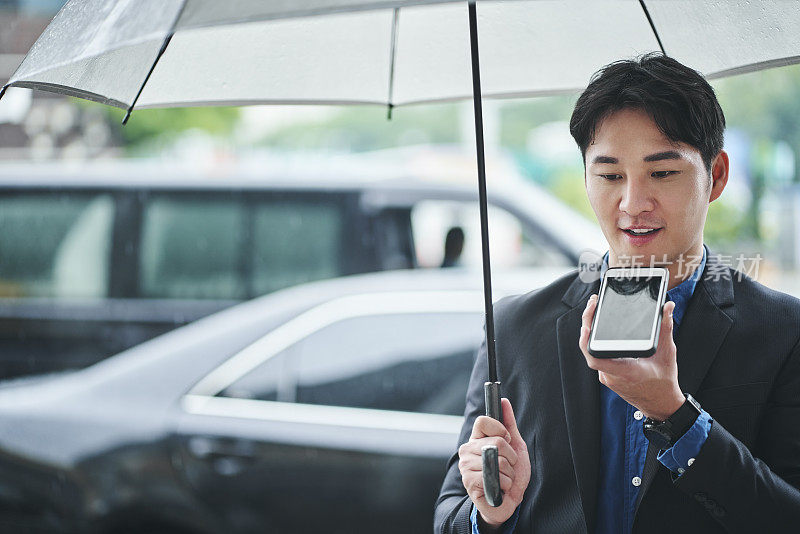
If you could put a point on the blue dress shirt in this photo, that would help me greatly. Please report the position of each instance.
(623, 445)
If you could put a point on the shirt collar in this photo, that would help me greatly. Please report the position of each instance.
(679, 294)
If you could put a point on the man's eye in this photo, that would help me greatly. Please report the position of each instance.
(611, 176)
(662, 174)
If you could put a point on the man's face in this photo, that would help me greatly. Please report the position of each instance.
(637, 178)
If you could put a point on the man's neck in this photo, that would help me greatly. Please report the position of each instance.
(680, 267)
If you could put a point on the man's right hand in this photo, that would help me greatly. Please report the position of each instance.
(515, 465)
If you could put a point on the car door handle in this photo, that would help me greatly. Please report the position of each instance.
(205, 448)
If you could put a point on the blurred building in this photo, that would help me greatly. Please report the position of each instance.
(39, 125)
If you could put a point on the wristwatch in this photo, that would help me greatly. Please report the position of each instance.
(664, 434)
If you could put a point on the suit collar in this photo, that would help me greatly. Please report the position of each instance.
(717, 279)
(704, 328)
(586, 282)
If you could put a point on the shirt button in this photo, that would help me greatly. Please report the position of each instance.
(636, 481)
(638, 415)
(690, 462)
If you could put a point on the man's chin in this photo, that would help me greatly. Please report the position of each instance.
(637, 257)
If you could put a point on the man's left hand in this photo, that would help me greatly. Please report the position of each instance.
(649, 384)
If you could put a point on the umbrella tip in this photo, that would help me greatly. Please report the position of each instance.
(389, 111)
(3, 91)
(127, 116)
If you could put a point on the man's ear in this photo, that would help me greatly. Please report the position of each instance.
(719, 175)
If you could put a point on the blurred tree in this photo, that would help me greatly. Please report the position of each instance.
(147, 127)
(366, 128)
(568, 186)
(765, 104)
(519, 117)
(725, 225)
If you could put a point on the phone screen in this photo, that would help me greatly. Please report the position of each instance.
(628, 309)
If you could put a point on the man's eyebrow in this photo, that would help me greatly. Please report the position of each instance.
(605, 159)
(658, 156)
(668, 154)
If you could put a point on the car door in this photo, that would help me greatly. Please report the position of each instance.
(341, 420)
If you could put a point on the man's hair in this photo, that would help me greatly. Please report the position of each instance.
(678, 99)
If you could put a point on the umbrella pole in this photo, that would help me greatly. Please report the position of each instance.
(491, 389)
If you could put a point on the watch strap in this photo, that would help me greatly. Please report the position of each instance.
(665, 433)
(684, 417)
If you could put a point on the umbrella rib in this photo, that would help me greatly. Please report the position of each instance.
(392, 56)
(164, 45)
(652, 26)
(68, 91)
(152, 68)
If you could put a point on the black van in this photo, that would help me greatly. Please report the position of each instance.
(96, 258)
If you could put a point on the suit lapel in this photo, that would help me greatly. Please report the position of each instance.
(698, 340)
(581, 393)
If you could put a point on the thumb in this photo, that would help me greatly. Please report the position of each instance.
(667, 323)
(508, 419)
(667, 320)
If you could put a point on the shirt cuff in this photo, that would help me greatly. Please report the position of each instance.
(681, 455)
(507, 528)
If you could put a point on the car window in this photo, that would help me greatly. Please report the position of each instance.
(295, 242)
(512, 243)
(394, 239)
(232, 247)
(407, 362)
(192, 247)
(55, 244)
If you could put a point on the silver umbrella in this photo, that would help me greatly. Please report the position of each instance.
(390, 52)
(166, 53)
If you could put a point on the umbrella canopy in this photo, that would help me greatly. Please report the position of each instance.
(390, 52)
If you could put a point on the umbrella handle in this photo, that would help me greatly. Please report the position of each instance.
(491, 466)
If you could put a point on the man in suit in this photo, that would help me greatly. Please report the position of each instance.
(574, 453)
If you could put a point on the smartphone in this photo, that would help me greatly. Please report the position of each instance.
(628, 313)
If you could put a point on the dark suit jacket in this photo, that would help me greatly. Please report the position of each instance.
(738, 354)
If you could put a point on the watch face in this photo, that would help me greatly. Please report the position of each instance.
(694, 403)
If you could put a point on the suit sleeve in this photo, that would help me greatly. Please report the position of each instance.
(453, 507)
(748, 494)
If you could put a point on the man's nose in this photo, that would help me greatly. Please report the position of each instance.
(637, 197)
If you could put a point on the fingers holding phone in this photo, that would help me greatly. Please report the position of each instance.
(626, 336)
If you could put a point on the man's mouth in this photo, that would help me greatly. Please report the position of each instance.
(640, 231)
(639, 237)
